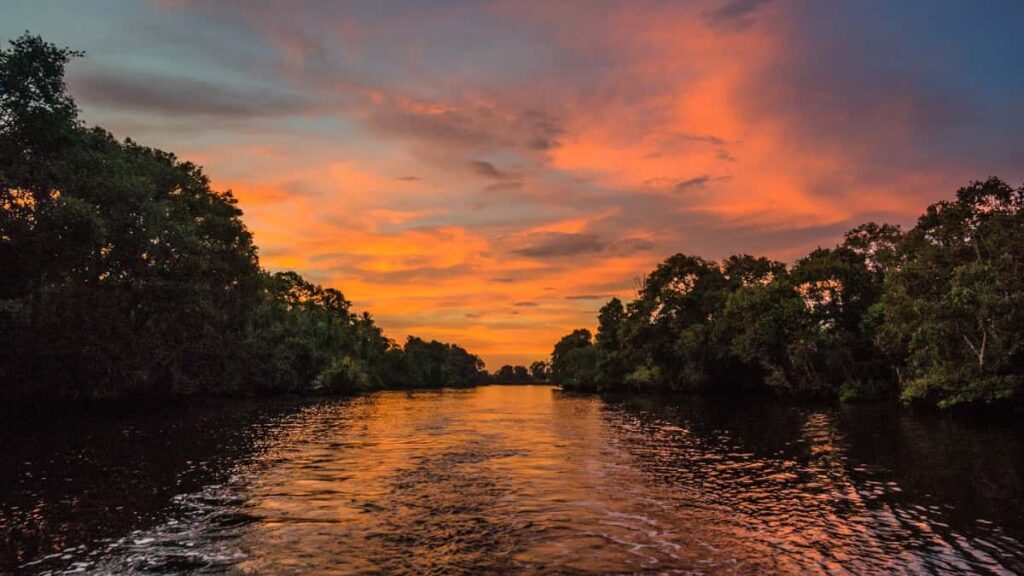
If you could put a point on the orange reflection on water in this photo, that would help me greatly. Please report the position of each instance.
(527, 479)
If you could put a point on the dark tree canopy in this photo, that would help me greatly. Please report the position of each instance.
(124, 273)
(933, 315)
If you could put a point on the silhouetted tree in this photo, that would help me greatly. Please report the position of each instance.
(574, 361)
(125, 273)
(540, 371)
(935, 314)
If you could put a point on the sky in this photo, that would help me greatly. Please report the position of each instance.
(490, 173)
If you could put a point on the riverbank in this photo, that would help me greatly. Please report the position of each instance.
(996, 412)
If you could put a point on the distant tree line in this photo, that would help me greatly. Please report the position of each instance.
(537, 373)
(932, 315)
(122, 273)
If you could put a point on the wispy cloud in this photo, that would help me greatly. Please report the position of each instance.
(184, 96)
(735, 14)
(698, 182)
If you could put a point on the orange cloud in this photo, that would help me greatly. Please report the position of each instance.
(442, 192)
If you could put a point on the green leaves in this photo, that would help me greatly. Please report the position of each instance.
(935, 314)
(574, 361)
(956, 303)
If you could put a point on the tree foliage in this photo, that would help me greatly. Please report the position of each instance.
(574, 361)
(954, 305)
(517, 374)
(124, 273)
(934, 315)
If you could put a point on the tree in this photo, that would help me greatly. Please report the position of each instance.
(436, 364)
(878, 245)
(38, 118)
(746, 270)
(125, 273)
(574, 361)
(612, 366)
(935, 314)
(671, 321)
(954, 308)
(760, 325)
(540, 371)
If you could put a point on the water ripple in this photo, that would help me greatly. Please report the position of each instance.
(528, 480)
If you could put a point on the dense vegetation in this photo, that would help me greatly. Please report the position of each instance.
(538, 372)
(123, 273)
(932, 315)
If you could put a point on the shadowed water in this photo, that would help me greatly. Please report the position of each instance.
(511, 480)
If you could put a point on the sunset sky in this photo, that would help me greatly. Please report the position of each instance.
(489, 173)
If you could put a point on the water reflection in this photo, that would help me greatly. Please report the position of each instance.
(74, 476)
(527, 479)
(795, 484)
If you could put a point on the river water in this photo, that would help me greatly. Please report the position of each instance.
(508, 479)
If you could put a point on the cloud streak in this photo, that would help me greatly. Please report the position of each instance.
(183, 96)
(735, 15)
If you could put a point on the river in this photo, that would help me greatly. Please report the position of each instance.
(508, 479)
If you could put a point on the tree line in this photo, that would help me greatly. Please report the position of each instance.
(933, 315)
(124, 273)
(537, 373)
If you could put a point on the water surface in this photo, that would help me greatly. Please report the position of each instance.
(516, 479)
